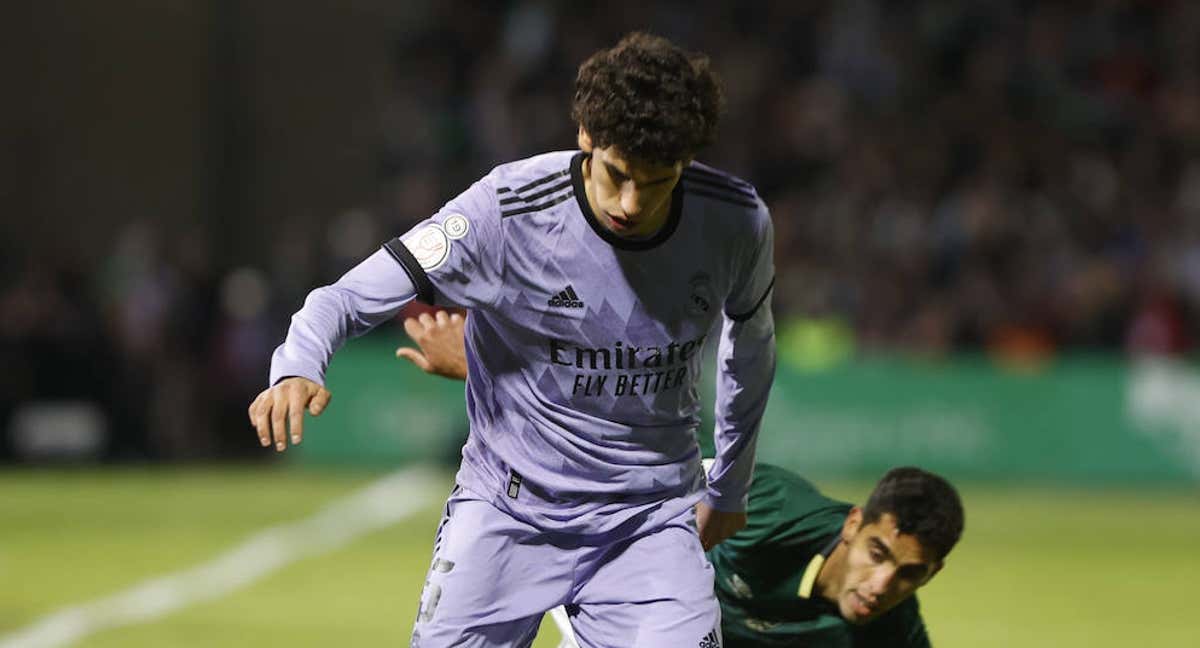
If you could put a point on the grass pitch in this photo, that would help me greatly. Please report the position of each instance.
(1036, 567)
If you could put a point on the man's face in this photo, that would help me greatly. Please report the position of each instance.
(883, 567)
(631, 199)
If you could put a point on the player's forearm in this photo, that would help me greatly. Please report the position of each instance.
(745, 371)
(370, 293)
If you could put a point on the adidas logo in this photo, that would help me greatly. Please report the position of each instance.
(711, 640)
(565, 299)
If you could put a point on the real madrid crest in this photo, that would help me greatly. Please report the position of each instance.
(701, 297)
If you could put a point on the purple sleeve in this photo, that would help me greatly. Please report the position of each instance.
(370, 293)
(455, 257)
(745, 371)
(451, 258)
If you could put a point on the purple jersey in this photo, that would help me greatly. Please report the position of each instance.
(584, 348)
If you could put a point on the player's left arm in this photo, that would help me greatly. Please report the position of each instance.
(745, 371)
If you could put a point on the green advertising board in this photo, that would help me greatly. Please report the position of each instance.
(1082, 419)
(1079, 419)
(384, 410)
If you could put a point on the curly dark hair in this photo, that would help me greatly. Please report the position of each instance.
(924, 504)
(649, 99)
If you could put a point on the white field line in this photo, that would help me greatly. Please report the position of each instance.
(559, 614)
(380, 505)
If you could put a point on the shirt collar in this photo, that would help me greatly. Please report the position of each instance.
(809, 580)
(664, 233)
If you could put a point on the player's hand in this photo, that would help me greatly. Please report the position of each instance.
(282, 407)
(440, 338)
(717, 526)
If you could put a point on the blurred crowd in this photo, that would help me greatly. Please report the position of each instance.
(1013, 177)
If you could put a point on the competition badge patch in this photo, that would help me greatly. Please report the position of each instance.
(456, 226)
(429, 245)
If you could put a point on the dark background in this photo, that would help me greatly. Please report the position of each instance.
(1017, 179)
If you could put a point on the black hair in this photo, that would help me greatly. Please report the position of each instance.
(924, 505)
(651, 100)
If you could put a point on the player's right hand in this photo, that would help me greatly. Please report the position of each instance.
(282, 407)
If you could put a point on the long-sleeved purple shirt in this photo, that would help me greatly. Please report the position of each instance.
(583, 348)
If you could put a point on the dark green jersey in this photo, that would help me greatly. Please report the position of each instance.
(759, 573)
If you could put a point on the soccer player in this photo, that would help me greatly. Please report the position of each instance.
(811, 571)
(807, 570)
(594, 278)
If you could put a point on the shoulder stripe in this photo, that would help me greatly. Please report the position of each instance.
(503, 190)
(542, 181)
(532, 197)
(724, 177)
(742, 317)
(412, 267)
(725, 198)
(721, 185)
(536, 208)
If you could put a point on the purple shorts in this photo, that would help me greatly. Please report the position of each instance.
(493, 577)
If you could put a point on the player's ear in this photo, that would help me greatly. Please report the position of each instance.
(585, 140)
(852, 524)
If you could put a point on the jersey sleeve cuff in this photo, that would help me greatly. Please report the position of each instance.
(283, 366)
(727, 503)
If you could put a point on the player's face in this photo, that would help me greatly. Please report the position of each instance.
(631, 199)
(883, 567)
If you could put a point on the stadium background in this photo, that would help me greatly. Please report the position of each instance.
(988, 231)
